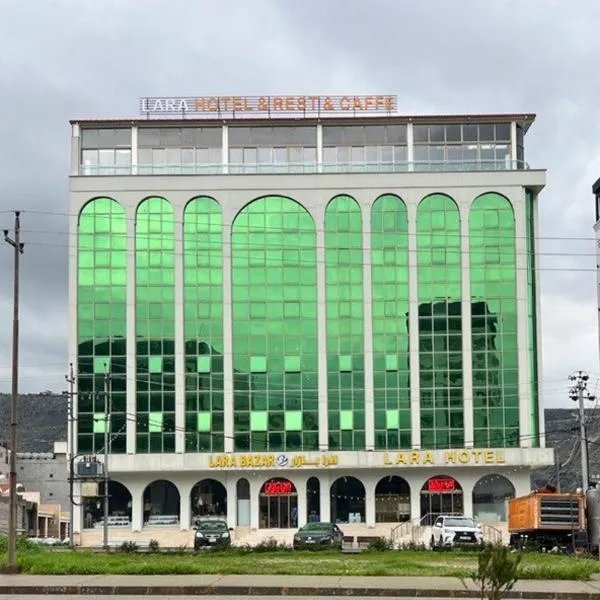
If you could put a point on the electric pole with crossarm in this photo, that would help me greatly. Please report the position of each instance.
(11, 563)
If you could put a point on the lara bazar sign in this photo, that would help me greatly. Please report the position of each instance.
(267, 105)
(462, 457)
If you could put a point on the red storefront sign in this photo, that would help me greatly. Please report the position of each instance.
(441, 485)
(278, 488)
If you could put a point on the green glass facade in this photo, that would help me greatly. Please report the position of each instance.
(274, 297)
(203, 325)
(494, 322)
(274, 342)
(391, 364)
(101, 325)
(532, 316)
(345, 333)
(440, 323)
(155, 326)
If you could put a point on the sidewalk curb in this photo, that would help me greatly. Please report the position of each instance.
(232, 590)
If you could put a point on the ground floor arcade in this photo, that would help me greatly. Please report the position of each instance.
(263, 498)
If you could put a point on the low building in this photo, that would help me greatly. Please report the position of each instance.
(46, 473)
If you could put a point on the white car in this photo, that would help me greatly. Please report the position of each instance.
(451, 530)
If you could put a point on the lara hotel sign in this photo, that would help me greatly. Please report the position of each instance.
(457, 458)
(267, 106)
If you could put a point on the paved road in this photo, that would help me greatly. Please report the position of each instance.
(61, 597)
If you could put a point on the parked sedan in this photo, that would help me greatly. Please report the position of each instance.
(211, 533)
(318, 535)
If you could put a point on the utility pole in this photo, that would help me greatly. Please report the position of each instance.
(106, 441)
(71, 397)
(579, 393)
(12, 499)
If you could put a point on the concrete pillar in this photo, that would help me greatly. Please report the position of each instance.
(137, 509)
(415, 502)
(231, 489)
(302, 510)
(255, 486)
(325, 499)
(369, 504)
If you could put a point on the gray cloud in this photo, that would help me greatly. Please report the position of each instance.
(71, 59)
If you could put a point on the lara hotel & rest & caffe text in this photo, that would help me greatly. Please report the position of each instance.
(296, 308)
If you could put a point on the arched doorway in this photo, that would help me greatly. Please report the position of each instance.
(392, 500)
(490, 498)
(347, 500)
(243, 502)
(161, 503)
(278, 504)
(208, 499)
(440, 495)
(313, 500)
(119, 507)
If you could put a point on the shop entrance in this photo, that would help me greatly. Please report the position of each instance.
(278, 504)
(440, 496)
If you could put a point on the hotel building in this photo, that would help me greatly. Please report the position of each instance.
(294, 309)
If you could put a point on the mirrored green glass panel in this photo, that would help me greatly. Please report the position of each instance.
(440, 323)
(274, 295)
(345, 321)
(101, 325)
(530, 216)
(155, 326)
(494, 322)
(391, 364)
(203, 314)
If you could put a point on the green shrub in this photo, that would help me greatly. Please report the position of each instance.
(381, 544)
(129, 547)
(497, 571)
(153, 546)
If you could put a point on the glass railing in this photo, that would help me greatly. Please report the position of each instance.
(305, 168)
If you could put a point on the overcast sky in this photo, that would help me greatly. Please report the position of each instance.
(69, 59)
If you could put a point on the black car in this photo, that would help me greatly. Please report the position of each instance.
(211, 533)
(318, 535)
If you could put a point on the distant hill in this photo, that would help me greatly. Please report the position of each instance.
(43, 420)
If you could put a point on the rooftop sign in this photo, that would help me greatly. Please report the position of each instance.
(267, 106)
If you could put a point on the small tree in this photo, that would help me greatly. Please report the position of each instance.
(497, 572)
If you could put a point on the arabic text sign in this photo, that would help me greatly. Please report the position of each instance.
(220, 106)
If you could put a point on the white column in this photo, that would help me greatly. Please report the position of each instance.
(415, 501)
(227, 338)
(513, 145)
(522, 320)
(73, 330)
(255, 486)
(179, 334)
(185, 508)
(410, 146)
(467, 489)
(302, 511)
(131, 370)
(137, 508)
(225, 148)
(368, 330)
(322, 334)
(325, 499)
(369, 503)
(538, 322)
(413, 319)
(232, 501)
(319, 149)
(134, 150)
(75, 148)
(467, 365)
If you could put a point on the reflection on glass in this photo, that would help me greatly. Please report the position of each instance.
(274, 327)
(391, 367)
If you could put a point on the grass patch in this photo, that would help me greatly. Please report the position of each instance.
(42, 561)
